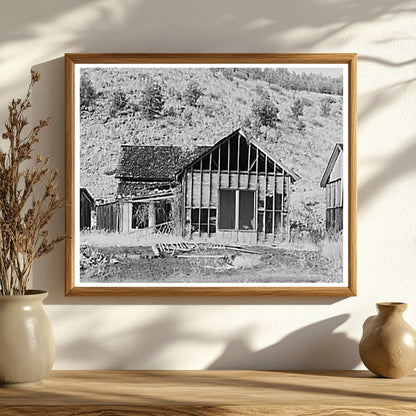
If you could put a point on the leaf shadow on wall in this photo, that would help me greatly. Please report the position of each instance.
(144, 346)
(313, 347)
(395, 168)
(106, 26)
(242, 23)
(151, 345)
(403, 162)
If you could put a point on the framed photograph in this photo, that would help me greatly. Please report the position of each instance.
(211, 174)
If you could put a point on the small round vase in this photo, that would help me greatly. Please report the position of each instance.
(388, 345)
(27, 347)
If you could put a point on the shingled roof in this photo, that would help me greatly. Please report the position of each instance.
(155, 163)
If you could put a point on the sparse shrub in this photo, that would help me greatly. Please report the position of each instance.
(118, 103)
(187, 117)
(317, 123)
(87, 93)
(325, 105)
(246, 123)
(301, 126)
(260, 90)
(210, 110)
(307, 225)
(192, 93)
(228, 73)
(135, 108)
(214, 95)
(171, 111)
(152, 101)
(269, 134)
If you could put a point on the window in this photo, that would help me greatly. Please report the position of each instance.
(163, 211)
(271, 214)
(203, 220)
(246, 210)
(227, 209)
(237, 208)
(140, 215)
(159, 211)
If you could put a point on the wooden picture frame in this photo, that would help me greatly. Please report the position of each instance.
(249, 215)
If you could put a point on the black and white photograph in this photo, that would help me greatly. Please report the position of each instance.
(211, 175)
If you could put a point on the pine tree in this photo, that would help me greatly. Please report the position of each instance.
(152, 101)
(192, 93)
(325, 105)
(87, 93)
(265, 111)
(297, 108)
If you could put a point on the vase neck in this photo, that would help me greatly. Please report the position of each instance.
(391, 308)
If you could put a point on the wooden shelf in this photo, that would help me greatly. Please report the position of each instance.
(202, 393)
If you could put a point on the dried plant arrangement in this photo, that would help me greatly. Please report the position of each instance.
(28, 199)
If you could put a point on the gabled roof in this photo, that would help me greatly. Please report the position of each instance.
(166, 163)
(293, 175)
(332, 160)
(155, 163)
(88, 196)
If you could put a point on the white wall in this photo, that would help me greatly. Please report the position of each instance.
(199, 333)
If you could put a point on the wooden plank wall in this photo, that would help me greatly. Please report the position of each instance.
(85, 212)
(201, 190)
(211, 183)
(334, 205)
(203, 180)
(109, 217)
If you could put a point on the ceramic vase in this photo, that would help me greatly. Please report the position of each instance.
(388, 345)
(27, 347)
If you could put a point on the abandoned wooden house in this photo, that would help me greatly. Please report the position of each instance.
(147, 189)
(333, 184)
(87, 206)
(233, 191)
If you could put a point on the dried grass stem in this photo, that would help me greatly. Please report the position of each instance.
(23, 217)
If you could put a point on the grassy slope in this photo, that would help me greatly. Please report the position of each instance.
(224, 107)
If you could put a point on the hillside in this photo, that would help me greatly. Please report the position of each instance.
(222, 103)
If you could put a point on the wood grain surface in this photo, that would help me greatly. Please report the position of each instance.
(72, 59)
(204, 393)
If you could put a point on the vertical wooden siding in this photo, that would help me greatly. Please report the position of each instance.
(334, 205)
(85, 211)
(252, 170)
(109, 217)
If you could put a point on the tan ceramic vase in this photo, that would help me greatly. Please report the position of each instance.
(27, 347)
(388, 344)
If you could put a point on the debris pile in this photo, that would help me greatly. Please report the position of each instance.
(178, 249)
(200, 257)
(91, 257)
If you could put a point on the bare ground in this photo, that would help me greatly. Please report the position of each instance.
(213, 265)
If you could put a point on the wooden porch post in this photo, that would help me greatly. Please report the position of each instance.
(152, 214)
